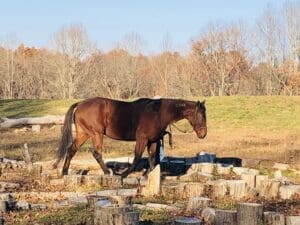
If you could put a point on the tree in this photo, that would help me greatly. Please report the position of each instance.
(72, 44)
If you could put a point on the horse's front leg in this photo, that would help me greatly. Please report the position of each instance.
(138, 152)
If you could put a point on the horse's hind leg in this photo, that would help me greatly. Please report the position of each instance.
(97, 140)
(151, 148)
(79, 140)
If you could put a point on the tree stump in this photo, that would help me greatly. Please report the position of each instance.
(73, 181)
(226, 217)
(292, 220)
(129, 218)
(249, 213)
(115, 215)
(273, 218)
(153, 183)
(187, 221)
(196, 203)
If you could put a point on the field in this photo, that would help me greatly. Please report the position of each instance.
(248, 127)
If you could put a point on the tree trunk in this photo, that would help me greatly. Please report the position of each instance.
(249, 213)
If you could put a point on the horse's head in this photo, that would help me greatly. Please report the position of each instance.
(197, 118)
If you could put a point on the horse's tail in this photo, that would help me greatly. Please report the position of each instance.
(66, 138)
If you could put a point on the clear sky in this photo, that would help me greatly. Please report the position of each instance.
(34, 21)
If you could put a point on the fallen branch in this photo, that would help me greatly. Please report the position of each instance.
(45, 120)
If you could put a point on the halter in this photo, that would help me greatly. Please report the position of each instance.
(195, 117)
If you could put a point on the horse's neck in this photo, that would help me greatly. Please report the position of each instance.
(177, 110)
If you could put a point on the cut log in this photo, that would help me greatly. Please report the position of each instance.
(8, 123)
(292, 220)
(113, 215)
(273, 218)
(197, 203)
(153, 183)
(249, 213)
(187, 221)
(226, 217)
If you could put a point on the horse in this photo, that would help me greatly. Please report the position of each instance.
(144, 121)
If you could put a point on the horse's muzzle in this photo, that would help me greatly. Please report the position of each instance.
(201, 133)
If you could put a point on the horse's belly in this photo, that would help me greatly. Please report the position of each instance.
(123, 135)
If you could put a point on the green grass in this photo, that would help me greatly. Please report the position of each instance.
(263, 112)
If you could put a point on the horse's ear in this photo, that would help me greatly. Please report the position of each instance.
(203, 103)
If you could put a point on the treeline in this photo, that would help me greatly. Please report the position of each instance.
(225, 59)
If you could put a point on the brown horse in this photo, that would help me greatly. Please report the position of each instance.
(143, 121)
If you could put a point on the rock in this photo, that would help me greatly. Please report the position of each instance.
(273, 218)
(292, 220)
(23, 205)
(281, 166)
(196, 203)
(153, 183)
(249, 178)
(208, 215)
(287, 191)
(187, 221)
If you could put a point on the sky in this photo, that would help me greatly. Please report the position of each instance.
(33, 22)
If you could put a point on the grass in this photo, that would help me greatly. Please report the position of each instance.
(70, 215)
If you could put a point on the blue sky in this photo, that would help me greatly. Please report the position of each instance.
(34, 21)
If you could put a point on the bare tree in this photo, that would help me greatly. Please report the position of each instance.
(72, 45)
